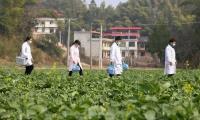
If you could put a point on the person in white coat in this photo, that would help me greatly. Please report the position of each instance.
(116, 57)
(26, 53)
(74, 57)
(170, 58)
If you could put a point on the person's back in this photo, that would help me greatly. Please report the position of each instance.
(116, 53)
(74, 53)
(74, 58)
(116, 57)
(170, 58)
(26, 53)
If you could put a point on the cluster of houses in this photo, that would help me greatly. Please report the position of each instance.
(132, 45)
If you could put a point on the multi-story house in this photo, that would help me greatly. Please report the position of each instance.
(46, 26)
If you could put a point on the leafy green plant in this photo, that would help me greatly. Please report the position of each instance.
(136, 95)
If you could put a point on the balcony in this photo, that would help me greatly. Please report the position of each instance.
(141, 48)
(128, 48)
(106, 48)
(122, 34)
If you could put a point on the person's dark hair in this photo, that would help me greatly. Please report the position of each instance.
(76, 42)
(28, 38)
(118, 38)
(172, 40)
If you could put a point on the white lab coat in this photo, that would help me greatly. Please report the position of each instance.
(170, 56)
(74, 57)
(26, 53)
(116, 58)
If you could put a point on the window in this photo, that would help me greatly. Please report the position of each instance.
(142, 53)
(104, 44)
(43, 29)
(122, 44)
(51, 30)
(104, 54)
(36, 30)
(95, 35)
(133, 37)
(131, 44)
(108, 53)
(124, 37)
(132, 54)
(134, 31)
(123, 53)
(43, 23)
(51, 22)
(141, 45)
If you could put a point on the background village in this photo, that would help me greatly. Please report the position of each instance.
(54, 28)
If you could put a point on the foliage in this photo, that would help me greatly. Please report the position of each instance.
(11, 14)
(8, 50)
(48, 44)
(135, 95)
(158, 40)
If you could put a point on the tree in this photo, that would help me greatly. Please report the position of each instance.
(11, 15)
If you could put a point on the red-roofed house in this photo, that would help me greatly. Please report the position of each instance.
(131, 45)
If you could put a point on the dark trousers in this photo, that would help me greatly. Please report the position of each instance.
(80, 72)
(170, 75)
(29, 69)
(111, 75)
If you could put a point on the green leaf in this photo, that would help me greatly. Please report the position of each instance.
(150, 115)
(166, 85)
(39, 108)
(151, 98)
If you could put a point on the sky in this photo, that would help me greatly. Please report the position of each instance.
(108, 2)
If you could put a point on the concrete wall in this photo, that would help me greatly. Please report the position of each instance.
(84, 37)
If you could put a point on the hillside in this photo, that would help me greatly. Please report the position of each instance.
(161, 20)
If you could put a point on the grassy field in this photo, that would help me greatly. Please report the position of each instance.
(138, 94)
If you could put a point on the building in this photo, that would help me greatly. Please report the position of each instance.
(84, 37)
(46, 26)
(132, 46)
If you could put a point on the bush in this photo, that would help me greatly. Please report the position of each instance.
(10, 48)
(48, 44)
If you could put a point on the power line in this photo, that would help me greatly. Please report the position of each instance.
(186, 23)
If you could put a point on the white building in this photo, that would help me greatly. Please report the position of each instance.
(46, 26)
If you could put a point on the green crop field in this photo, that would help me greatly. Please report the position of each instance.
(137, 95)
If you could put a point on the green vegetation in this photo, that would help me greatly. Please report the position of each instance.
(135, 95)
(48, 45)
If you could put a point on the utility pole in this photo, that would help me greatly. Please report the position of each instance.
(60, 37)
(129, 38)
(68, 39)
(91, 47)
(100, 52)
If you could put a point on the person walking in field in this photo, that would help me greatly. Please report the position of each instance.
(74, 58)
(26, 53)
(170, 58)
(116, 57)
